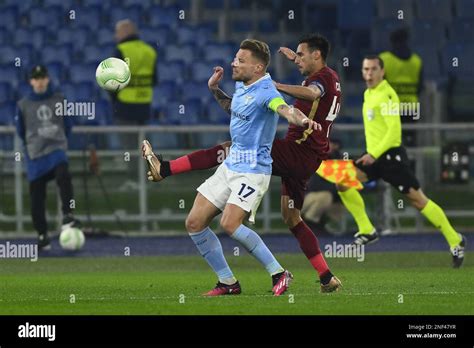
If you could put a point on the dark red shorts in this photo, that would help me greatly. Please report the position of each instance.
(295, 164)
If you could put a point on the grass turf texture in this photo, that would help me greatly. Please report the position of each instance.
(153, 285)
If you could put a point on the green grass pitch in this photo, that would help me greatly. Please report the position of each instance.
(385, 283)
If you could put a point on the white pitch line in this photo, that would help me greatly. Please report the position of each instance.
(342, 293)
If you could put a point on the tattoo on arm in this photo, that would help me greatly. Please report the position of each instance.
(223, 99)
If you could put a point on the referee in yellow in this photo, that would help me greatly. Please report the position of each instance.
(386, 159)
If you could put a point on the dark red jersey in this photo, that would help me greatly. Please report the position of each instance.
(323, 110)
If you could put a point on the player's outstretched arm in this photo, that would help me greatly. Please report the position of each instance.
(221, 97)
(300, 92)
(288, 53)
(296, 117)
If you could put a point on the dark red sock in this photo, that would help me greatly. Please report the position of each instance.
(201, 159)
(310, 246)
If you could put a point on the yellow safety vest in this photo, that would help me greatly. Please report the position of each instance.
(141, 59)
(403, 75)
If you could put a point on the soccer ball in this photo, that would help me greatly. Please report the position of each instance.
(72, 238)
(113, 74)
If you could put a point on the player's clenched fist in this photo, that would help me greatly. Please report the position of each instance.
(216, 77)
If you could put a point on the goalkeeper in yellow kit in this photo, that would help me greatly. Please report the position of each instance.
(386, 159)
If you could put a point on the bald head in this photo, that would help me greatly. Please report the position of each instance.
(125, 28)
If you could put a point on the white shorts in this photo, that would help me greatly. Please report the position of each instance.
(245, 190)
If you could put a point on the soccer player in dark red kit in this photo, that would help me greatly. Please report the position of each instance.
(297, 156)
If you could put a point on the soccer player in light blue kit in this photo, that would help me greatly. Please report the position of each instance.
(238, 185)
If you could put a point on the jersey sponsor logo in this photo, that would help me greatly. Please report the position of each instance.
(241, 116)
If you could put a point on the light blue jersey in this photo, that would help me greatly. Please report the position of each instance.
(252, 127)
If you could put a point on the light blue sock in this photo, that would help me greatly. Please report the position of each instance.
(211, 249)
(255, 245)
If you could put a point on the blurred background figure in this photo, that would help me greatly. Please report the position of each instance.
(132, 105)
(44, 134)
(322, 204)
(404, 72)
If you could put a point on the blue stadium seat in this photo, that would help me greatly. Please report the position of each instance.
(381, 33)
(78, 37)
(144, 4)
(102, 115)
(355, 14)
(57, 72)
(65, 5)
(464, 8)
(7, 114)
(84, 91)
(214, 4)
(268, 26)
(192, 112)
(168, 16)
(163, 93)
(428, 32)
(105, 36)
(228, 87)
(8, 55)
(82, 73)
(95, 54)
(431, 62)
(173, 113)
(215, 114)
(134, 13)
(184, 53)
(6, 92)
(201, 71)
(9, 18)
(434, 10)
(51, 17)
(389, 9)
(10, 74)
(4, 36)
(220, 51)
(460, 31)
(26, 53)
(242, 25)
(186, 35)
(57, 53)
(197, 90)
(27, 36)
(171, 71)
(23, 90)
(88, 17)
(463, 53)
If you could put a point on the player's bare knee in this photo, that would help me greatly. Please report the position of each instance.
(229, 225)
(194, 224)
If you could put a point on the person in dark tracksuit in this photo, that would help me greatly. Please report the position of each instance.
(44, 134)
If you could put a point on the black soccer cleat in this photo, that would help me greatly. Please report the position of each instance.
(44, 243)
(458, 252)
(69, 221)
(364, 239)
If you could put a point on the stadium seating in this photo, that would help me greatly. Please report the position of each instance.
(464, 9)
(355, 14)
(434, 10)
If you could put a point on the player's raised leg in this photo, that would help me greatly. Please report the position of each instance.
(209, 246)
(309, 244)
(435, 214)
(197, 160)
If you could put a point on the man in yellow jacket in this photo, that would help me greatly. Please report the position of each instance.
(387, 159)
(132, 105)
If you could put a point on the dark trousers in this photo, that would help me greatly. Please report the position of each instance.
(38, 195)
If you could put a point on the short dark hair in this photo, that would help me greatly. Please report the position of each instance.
(399, 36)
(259, 49)
(374, 56)
(317, 42)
